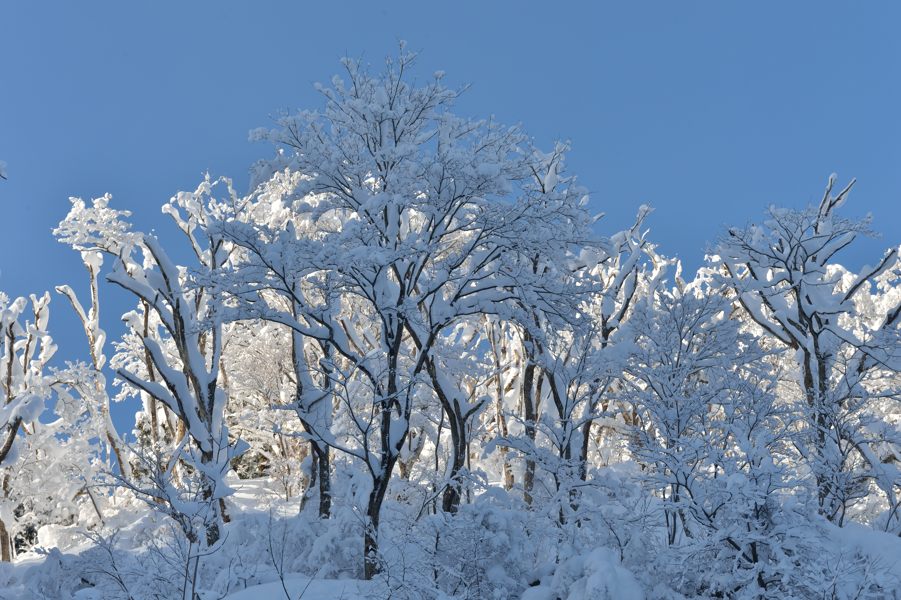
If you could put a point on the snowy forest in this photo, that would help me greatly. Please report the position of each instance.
(412, 361)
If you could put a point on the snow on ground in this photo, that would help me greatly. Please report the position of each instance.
(303, 588)
(596, 574)
(882, 547)
(251, 494)
(298, 588)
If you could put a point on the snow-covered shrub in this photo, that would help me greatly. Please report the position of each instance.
(597, 575)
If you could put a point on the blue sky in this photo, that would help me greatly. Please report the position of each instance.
(707, 111)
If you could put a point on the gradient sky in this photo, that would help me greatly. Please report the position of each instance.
(707, 111)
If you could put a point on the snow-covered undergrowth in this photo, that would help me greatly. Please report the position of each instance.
(491, 549)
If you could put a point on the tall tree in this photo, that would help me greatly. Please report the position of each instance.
(414, 218)
(785, 278)
(190, 321)
(96, 338)
(709, 434)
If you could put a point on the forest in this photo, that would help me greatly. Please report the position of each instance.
(412, 361)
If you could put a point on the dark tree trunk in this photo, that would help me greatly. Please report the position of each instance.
(453, 492)
(371, 565)
(583, 449)
(814, 385)
(390, 450)
(5, 543)
(319, 450)
(530, 412)
(323, 465)
(212, 528)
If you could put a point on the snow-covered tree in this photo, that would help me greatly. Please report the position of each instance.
(784, 275)
(25, 384)
(458, 376)
(189, 319)
(581, 362)
(419, 219)
(96, 338)
(709, 435)
(57, 479)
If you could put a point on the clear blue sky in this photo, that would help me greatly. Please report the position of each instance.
(707, 111)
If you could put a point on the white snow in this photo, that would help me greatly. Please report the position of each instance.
(313, 589)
